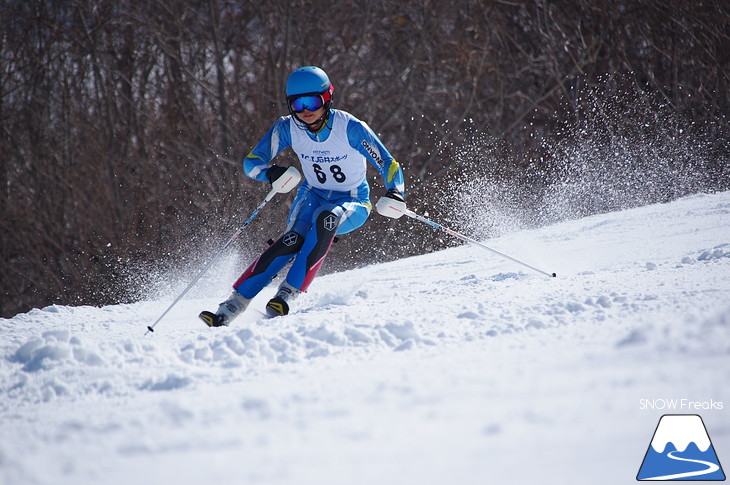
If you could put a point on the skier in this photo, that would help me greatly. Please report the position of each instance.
(333, 148)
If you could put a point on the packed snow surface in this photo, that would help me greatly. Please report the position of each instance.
(454, 367)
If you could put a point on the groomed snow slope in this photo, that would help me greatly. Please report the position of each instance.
(449, 368)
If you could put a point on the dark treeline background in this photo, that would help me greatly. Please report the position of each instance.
(124, 122)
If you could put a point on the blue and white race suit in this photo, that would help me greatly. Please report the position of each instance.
(333, 198)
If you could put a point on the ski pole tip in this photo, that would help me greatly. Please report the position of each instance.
(150, 329)
(554, 275)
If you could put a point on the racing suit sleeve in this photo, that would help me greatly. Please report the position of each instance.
(256, 163)
(364, 140)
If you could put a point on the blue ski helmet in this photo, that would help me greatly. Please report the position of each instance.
(309, 80)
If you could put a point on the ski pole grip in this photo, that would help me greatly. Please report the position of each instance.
(392, 208)
(287, 181)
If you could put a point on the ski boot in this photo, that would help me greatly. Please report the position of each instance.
(279, 306)
(227, 311)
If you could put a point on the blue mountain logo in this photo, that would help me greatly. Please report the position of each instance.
(681, 450)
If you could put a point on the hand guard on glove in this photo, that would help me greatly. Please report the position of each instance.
(274, 172)
(392, 204)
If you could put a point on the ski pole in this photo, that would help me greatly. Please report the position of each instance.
(287, 181)
(451, 232)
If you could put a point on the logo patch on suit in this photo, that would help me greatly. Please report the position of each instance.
(330, 222)
(290, 239)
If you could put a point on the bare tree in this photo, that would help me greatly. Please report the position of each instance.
(124, 123)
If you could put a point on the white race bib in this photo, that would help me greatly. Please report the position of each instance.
(331, 164)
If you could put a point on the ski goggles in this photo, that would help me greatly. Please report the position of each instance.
(311, 102)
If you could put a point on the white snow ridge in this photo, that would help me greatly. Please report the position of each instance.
(452, 367)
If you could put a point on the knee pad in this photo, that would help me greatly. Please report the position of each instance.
(272, 260)
(287, 245)
(290, 243)
(326, 223)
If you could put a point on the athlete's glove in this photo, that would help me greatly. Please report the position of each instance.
(391, 204)
(274, 172)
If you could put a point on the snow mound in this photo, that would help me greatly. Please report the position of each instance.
(442, 368)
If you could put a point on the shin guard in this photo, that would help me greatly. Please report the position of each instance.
(268, 264)
(315, 248)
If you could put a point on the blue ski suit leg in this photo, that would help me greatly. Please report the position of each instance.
(315, 218)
